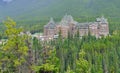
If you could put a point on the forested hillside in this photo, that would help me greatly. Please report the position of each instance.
(36, 13)
(33, 9)
(23, 54)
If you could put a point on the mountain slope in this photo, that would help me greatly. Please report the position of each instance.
(39, 9)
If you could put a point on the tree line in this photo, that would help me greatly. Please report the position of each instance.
(23, 54)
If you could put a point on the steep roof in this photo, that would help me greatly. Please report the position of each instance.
(82, 25)
(67, 19)
(102, 20)
(51, 24)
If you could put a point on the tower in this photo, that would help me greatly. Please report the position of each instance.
(49, 29)
(103, 26)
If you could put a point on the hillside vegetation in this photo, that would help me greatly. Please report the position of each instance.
(37, 12)
(24, 54)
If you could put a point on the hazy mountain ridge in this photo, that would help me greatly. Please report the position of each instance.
(39, 9)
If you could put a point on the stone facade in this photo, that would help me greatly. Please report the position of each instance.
(68, 25)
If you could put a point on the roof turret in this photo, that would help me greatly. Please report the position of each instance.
(67, 19)
(51, 24)
(102, 20)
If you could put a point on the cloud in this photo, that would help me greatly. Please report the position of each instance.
(7, 1)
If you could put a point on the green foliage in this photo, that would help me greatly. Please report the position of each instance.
(44, 67)
(69, 70)
(47, 67)
(51, 65)
(82, 65)
(34, 15)
(99, 56)
(68, 55)
(15, 49)
(79, 8)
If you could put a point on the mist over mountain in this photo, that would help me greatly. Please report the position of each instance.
(41, 9)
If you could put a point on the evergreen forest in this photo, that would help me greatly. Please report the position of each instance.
(23, 54)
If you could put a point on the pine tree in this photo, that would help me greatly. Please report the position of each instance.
(69, 70)
(52, 64)
(82, 65)
(15, 49)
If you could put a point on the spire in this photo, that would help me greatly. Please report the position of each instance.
(51, 24)
(67, 18)
(51, 21)
(102, 17)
